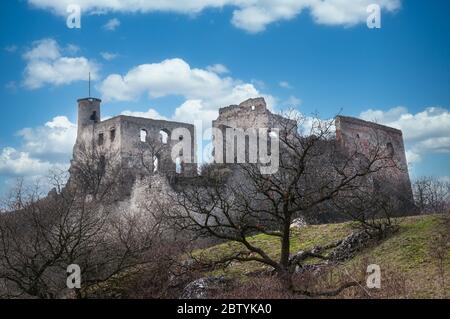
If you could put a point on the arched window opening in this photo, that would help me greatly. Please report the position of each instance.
(273, 134)
(102, 164)
(112, 134)
(101, 139)
(94, 117)
(178, 166)
(390, 149)
(143, 135)
(163, 136)
(155, 164)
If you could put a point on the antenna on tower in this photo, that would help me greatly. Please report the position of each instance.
(89, 84)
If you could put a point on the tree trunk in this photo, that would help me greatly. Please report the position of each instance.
(285, 278)
(286, 242)
(284, 274)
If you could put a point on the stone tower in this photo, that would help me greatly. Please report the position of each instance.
(88, 112)
(140, 146)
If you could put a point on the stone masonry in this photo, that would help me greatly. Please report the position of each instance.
(124, 134)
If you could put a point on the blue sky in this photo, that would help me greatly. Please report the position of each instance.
(183, 63)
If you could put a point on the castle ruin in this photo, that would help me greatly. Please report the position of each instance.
(127, 135)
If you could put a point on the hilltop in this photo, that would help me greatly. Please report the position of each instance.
(411, 260)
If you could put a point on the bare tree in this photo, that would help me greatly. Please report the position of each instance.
(314, 174)
(77, 224)
(149, 153)
(432, 195)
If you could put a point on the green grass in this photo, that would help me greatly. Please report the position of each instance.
(301, 239)
(409, 248)
(408, 252)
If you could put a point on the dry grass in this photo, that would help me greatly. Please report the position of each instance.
(415, 262)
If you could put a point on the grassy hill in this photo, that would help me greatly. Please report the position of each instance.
(407, 259)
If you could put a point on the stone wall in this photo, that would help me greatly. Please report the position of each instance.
(251, 113)
(354, 133)
(121, 136)
(130, 132)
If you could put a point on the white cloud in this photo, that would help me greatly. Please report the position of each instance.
(285, 85)
(175, 77)
(43, 148)
(382, 117)
(45, 49)
(17, 163)
(258, 83)
(46, 65)
(193, 110)
(11, 86)
(55, 139)
(250, 15)
(188, 112)
(150, 113)
(72, 49)
(11, 48)
(413, 157)
(169, 77)
(112, 24)
(108, 56)
(347, 13)
(218, 69)
(293, 101)
(426, 132)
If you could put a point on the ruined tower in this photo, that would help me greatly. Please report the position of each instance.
(142, 146)
(88, 112)
(352, 132)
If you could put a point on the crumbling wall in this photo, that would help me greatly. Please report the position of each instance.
(121, 136)
(354, 133)
(251, 113)
(131, 142)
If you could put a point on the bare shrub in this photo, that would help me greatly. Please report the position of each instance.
(162, 277)
(439, 250)
(432, 196)
(329, 279)
(77, 224)
(258, 288)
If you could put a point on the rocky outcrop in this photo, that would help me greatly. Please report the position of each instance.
(341, 250)
(357, 241)
(299, 223)
(206, 287)
(350, 245)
